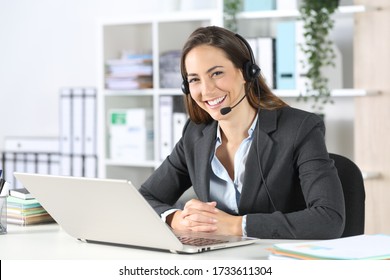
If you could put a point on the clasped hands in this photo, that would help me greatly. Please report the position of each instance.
(201, 216)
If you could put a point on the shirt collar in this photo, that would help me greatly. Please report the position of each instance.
(250, 130)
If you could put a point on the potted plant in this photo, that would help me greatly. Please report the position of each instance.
(230, 10)
(316, 16)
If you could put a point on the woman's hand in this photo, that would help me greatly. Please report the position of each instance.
(205, 217)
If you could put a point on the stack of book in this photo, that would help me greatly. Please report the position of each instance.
(170, 76)
(132, 71)
(23, 209)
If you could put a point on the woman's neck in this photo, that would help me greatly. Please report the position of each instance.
(235, 129)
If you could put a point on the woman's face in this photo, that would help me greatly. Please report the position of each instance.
(213, 79)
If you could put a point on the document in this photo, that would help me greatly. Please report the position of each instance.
(360, 247)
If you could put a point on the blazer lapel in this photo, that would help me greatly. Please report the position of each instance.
(203, 149)
(260, 151)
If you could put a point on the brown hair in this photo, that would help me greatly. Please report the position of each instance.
(239, 54)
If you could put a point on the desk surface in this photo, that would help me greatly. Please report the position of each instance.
(51, 242)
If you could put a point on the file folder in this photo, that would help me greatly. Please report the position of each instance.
(166, 142)
(29, 154)
(78, 131)
(266, 59)
(286, 55)
(259, 5)
(78, 124)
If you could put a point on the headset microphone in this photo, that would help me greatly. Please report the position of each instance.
(226, 110)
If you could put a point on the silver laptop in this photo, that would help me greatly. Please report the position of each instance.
(114, 212)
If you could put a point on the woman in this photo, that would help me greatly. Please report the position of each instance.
(258, 167)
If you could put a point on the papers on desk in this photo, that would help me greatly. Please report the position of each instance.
(360, 247)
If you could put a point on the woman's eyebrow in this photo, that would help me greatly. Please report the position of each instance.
(207, 72)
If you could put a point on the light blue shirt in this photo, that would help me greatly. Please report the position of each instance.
(223, 189)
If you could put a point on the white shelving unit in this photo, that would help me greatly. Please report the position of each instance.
(263, 23)
(159, 33)
(155, 33)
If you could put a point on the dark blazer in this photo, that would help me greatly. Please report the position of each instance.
(301, 179)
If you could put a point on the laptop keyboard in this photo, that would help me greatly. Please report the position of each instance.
(200, 241)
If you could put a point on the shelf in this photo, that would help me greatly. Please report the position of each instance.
(169, 91)
(146, 163)
(135, 92)
(335, 93)
(295, 13)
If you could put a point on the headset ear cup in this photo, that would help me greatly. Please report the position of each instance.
(185, 87)
(251, 71)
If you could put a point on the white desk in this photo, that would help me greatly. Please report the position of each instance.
(51, 242)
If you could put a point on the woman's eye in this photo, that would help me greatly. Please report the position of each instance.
(193, 80)
(217, 73)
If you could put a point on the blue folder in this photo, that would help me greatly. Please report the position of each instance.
(285, 55)
(259, 5)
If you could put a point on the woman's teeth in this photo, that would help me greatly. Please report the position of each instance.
(215, 101)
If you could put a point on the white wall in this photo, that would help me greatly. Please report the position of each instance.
(46, 45)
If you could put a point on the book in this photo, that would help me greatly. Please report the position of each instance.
(17, 202)
(359, 247)
(30, 220)
(21, 193)
(26, 212)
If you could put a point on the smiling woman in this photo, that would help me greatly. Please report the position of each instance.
(258, 167)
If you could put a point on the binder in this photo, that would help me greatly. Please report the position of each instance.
(78, 131)
(78, 122)
(65, 165)
(256, 5)
(78, 128)
(286, 55)
(165, 141)
(30, 154)
(263, 49)
(131, 134)
(66, 131)
(89, 159)
(286, 5)
(91, 168)
(90, 123)
(266, 59)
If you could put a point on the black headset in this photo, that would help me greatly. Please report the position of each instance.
(251, 71)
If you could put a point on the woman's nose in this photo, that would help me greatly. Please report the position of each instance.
(207, 86)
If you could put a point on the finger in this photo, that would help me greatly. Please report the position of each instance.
(198, 215)
(198, 227)
(199, 218)
(201, 206)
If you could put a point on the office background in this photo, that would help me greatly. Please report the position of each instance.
(47, 45)
(50, 44)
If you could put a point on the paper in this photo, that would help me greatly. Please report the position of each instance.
(349, 248)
